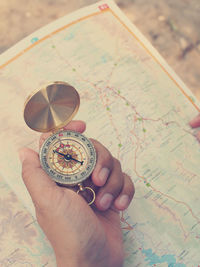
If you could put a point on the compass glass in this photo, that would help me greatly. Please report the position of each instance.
(68, 157)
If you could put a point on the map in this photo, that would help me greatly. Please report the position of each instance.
(135, 105)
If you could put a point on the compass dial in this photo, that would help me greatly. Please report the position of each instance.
(68, 157)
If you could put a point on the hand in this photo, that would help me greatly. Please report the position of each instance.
(195, 123)
(80, 235)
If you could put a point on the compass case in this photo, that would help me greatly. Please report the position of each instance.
(51, 107)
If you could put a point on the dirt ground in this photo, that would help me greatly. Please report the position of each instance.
(172, 26)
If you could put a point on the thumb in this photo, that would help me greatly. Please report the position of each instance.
(36, 180)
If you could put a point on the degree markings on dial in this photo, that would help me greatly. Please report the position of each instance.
(78, 149)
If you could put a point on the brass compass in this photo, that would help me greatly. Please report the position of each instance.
(68, 157)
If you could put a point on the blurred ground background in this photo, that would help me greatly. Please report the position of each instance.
(172, 26)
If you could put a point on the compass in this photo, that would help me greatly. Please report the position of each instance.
(68, 157)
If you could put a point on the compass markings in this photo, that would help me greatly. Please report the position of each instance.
(69, 158)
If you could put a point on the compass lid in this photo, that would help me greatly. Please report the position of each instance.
(51, 107)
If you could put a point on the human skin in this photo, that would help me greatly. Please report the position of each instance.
(195, 123)
(79, 234)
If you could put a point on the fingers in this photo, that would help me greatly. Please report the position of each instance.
(77, 126)
(36, 180)
(104, 164)
(118, 191)
(195, 122)
(116, 188)
(126, 195)
(111, 189)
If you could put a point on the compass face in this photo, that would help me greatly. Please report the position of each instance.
(68, 157)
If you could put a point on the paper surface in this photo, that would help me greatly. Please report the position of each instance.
(135, 105)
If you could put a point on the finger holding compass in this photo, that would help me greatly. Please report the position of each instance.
(116, 188)
(113, 188)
